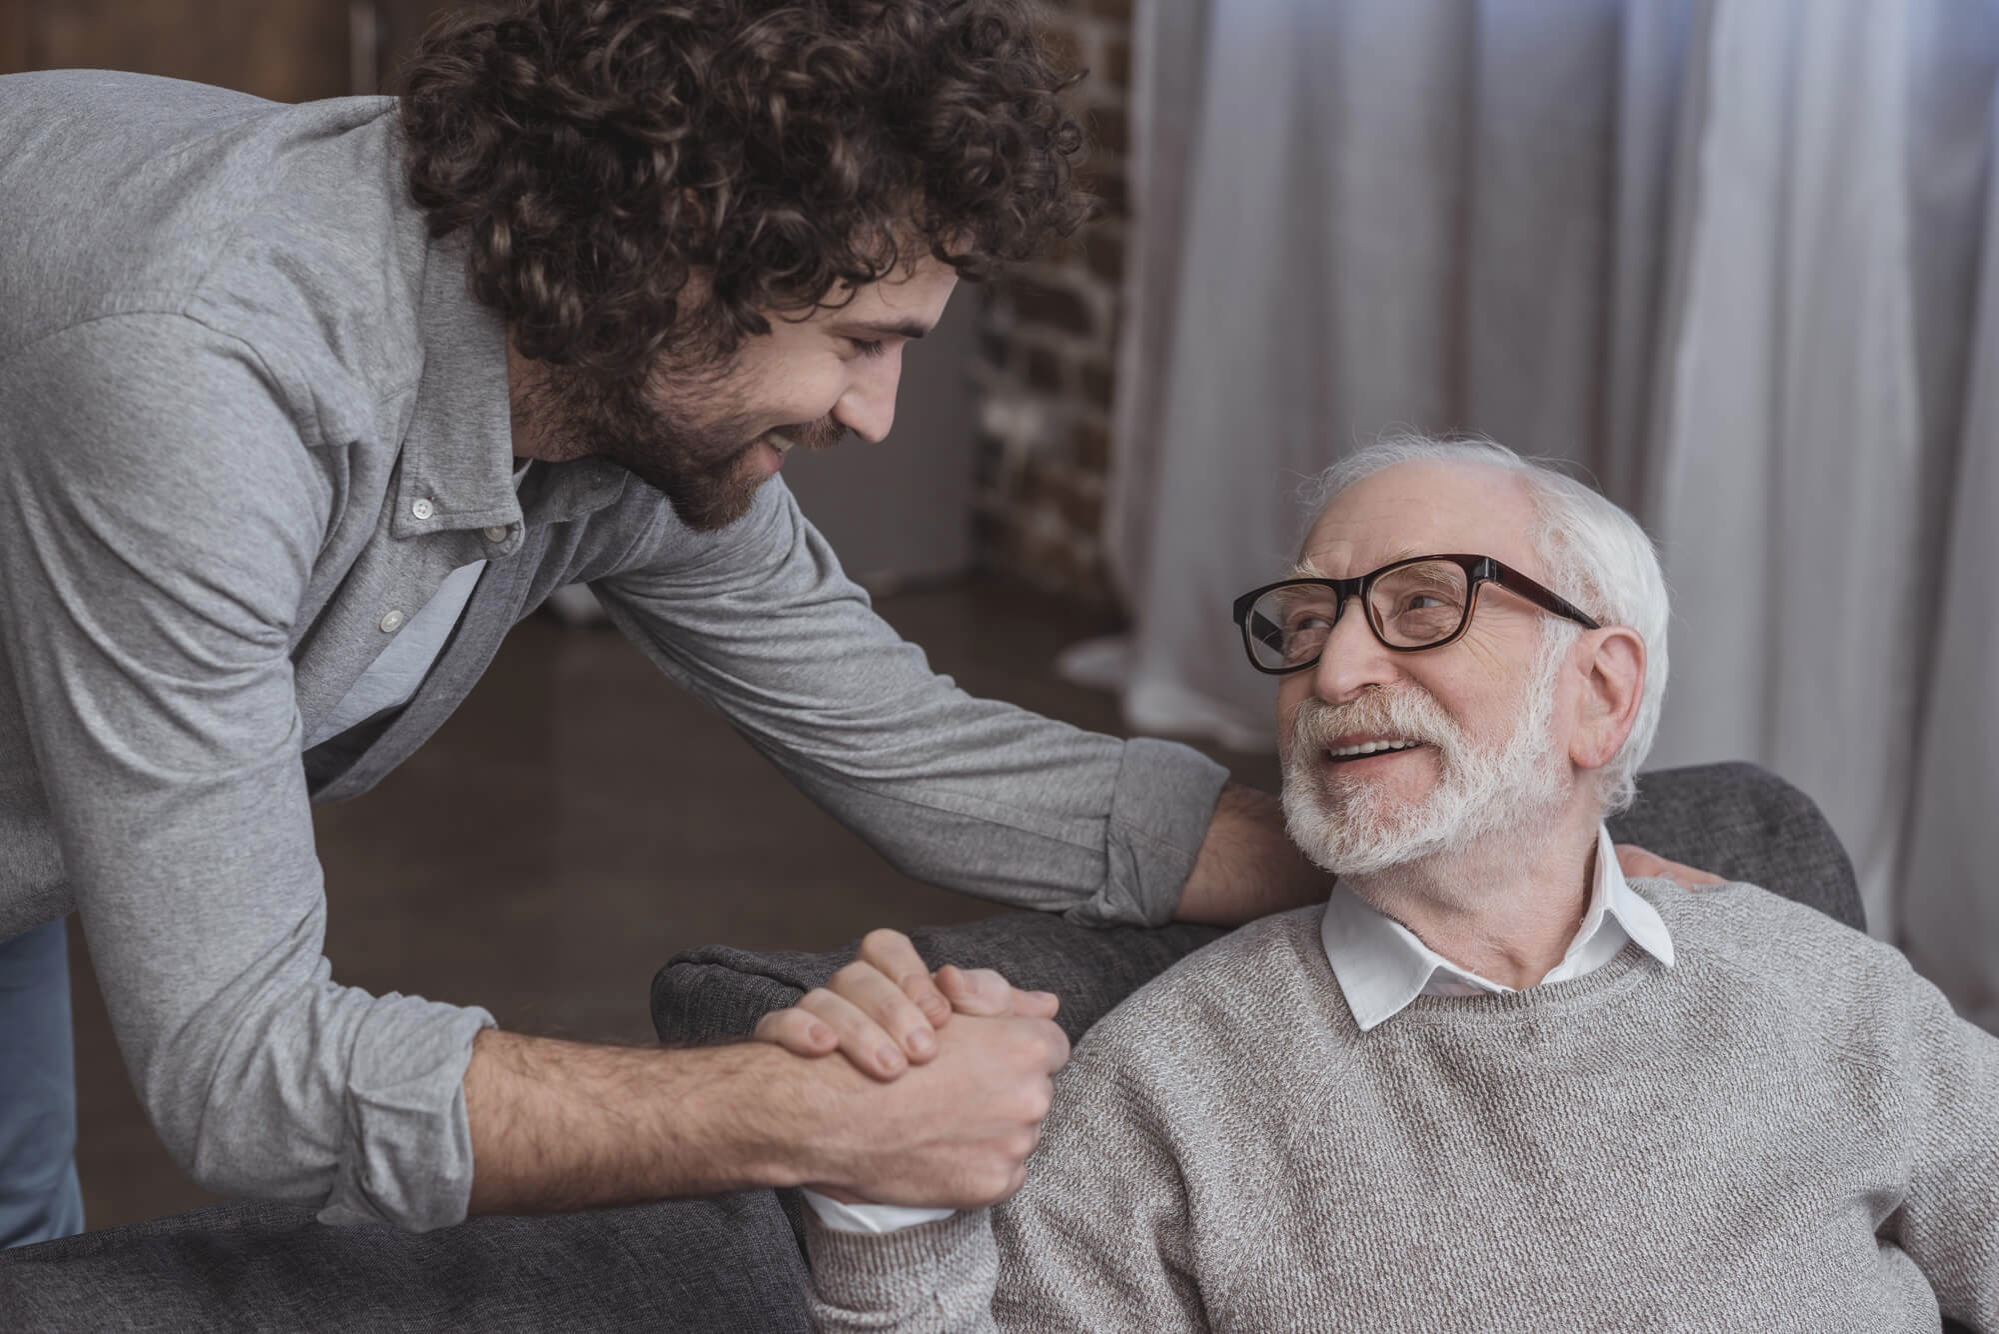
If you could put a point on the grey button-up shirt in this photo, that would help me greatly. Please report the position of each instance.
(249, 421)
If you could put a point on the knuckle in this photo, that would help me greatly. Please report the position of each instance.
(1023, 1106)
(995, 1182)
(883, 940)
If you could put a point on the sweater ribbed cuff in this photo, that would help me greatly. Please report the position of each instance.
(911, 1268)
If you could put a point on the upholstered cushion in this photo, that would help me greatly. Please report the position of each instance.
(1736, 820)
(1745, 823)
(699, 1266)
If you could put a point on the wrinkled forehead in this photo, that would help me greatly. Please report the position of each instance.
(1421, 508)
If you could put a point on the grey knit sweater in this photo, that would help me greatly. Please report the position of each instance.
(1788, 1130)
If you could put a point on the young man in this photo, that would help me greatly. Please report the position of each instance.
(302, 407)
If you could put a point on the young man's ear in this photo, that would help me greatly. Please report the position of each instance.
(1613, 671)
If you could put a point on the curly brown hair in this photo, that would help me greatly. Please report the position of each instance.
(599, 152)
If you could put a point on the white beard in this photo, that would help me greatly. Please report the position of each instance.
(1358, 829)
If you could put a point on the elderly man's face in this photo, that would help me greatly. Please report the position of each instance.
(1489, 710)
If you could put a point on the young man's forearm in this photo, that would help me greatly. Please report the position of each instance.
(567, 1125)
(1248, 866)
(562, 1125)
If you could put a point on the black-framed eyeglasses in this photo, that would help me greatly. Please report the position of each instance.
(1414, 604)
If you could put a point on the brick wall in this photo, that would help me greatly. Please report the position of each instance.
(1048, 348)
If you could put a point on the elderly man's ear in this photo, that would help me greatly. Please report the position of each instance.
(1611, 662)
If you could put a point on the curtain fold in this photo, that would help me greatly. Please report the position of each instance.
(1950, 906)
(1725, 255)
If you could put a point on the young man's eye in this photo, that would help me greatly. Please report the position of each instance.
(867, 347)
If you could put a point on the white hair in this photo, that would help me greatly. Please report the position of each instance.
(1596, 556)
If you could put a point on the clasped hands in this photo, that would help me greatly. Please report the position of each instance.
(970, 1059)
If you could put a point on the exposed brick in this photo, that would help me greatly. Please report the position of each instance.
(1099, 385)
(1103, 250)
(1090, 446)
(1048, 340)
(1106, 182)
(1062, 249)
(1109, 130)
(1052, 306)
(1044, 370)
(1059, 39)
(1083, 507)
(1038, 486)
(1116, 71)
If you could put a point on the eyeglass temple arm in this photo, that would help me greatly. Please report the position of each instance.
(1509, 578)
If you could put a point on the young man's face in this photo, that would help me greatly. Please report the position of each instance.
(709, 439)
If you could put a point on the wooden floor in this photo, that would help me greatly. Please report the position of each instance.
(575, 824)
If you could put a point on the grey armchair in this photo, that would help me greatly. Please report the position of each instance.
(731, 1262)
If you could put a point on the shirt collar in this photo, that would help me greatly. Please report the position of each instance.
(457, 462)
(1382, 965)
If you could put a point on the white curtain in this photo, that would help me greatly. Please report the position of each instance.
(1734, 257)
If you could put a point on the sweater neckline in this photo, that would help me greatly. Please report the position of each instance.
(1625, 972)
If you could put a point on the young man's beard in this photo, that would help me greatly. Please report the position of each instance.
(702, 462)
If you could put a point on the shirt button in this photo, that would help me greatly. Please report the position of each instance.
(392, 622)
(423, 509)
(496, 534)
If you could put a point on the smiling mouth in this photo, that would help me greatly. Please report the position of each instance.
(1367, 749)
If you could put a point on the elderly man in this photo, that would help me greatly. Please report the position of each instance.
(1491, 1084)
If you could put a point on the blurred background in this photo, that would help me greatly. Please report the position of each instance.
(1734, 259)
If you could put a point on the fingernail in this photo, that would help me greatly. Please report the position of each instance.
(889, 1056)
(921, 1043)
(819, 1034)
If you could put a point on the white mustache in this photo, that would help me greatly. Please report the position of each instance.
(1410, 714)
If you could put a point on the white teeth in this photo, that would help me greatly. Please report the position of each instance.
(781, 443)
(1369, 748)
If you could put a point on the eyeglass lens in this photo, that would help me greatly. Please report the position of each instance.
(1409, 606)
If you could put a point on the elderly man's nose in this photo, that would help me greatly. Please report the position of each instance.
(1352, 658)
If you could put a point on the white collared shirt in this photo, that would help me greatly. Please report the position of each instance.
(1382, 965)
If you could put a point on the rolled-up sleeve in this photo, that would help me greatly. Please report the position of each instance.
(970, 794)
(159, 516)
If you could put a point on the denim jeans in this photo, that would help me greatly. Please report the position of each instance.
(39, 1197)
